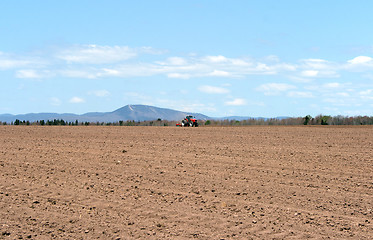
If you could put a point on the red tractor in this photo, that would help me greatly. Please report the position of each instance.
(188, 121)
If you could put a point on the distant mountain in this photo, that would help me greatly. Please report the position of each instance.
(129, 112)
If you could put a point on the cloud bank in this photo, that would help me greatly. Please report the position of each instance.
(344, 83)
(95, 62)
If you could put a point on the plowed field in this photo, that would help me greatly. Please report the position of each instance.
(185, 183)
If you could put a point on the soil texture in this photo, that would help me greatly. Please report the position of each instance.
(269, 182)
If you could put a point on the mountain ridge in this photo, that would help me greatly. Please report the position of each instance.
(136, 112)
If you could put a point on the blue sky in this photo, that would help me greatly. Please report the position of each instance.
(219, 58)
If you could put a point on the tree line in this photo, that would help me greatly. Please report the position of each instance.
(61, 122)
(307, 120)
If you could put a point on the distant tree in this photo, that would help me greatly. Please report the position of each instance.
(324, 120)
(337, 120)
(307, 119)
(130, 123)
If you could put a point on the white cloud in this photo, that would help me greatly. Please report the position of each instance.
(332, 85)
(236, 102)
(133, 70)
(33, 74)
(335, 101)
(100, 93)
(152, 51)
(76, 100)
(319, 74)
(139, 98)
(217, 73)
(55, 101)
(300, 79)
(79, 73)
(178, 75)
(262, 67)
(310, 73)
(317, 64)
(272, 58)
(239, 62)
(213, 89)
(94, 54)
(329, 74)
(256, 103)
(216, 59)
(342, 94)
(10, 61)
(366, 92)
(300, 94)
(319, 68)
(190, 107)
(361, 60)
(29, 73)
(359, 64)
(178, 61)
(335, 89)
(367, 97)
(95, 61)
(110, 72)
(284, 67)
(274, 88)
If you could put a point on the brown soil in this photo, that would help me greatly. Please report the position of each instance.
(184, 183)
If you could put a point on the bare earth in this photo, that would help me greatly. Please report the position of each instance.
(185, 183)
